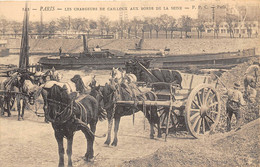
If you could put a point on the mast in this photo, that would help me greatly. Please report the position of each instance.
(24, 50)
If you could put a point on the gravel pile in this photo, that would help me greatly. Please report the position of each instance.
(251, 110)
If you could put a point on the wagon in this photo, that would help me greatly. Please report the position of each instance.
(194, 105)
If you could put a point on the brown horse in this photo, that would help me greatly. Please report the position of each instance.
(111, 93)
(68, 115)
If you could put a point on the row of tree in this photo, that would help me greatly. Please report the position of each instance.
(128, 28)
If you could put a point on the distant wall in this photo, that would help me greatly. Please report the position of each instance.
(177, 46)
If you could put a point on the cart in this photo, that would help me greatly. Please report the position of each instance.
(194, 105)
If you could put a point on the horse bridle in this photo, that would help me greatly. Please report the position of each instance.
(63, 115)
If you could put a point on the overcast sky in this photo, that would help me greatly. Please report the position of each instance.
(92, 9)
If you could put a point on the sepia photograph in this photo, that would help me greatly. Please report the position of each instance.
(129, 83)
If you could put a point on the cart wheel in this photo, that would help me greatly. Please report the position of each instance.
(164, 114)
(202, 110)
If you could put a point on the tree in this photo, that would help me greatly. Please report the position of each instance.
(39, 28)
(199, 24)
(172, 26)
(217, 25)
(17, 27)
(156, 25)
(231, 19)
(249, 29)
(64, 24)
(149, 23)
(104, 24)
(77, 24)
(51, 28)
(165, 23)
(3, 25)
(186, 22)
(136, 25)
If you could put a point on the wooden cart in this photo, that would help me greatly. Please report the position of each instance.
(194, 105)
(198, 110)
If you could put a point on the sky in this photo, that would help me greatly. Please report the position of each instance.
(13, 10)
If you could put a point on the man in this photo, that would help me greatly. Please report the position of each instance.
(233, 106)
(60, 50)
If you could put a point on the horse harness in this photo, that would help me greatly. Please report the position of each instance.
(67, 113)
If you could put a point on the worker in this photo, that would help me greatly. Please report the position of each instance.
(233, 106)
(60, 50)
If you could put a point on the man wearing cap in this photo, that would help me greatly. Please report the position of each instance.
(233, 106)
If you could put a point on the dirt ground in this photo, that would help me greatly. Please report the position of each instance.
(31, 143)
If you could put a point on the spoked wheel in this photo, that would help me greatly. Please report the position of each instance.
(164, 114)
(202, 110)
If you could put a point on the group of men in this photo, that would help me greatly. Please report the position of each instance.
(236, 100)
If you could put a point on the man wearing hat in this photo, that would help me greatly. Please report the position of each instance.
(233, 106)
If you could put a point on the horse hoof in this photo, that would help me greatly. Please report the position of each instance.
(151, 137)
(61, 165)
(114, 144)
(107, 143)
(89, 158)
(159, 136)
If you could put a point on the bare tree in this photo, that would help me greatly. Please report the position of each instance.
(231, 19)
(39, 28)
(165, 23)
(185, 22)
(199, 24)
(64, 24)
(104, 24)
(136, 23)
(249, 29)
(172, 26)
(149, 25)
(77, 24)
(217, 25)
(17, 27)
(3, 25)
(156, 25)
(51, 28)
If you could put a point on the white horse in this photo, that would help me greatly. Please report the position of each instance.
(121, 76)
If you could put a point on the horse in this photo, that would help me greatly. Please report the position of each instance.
(41, 77)
(28, 92)
(83, 84)
(68, 115)
(112, 92)
(7, 99)
(70, 87)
